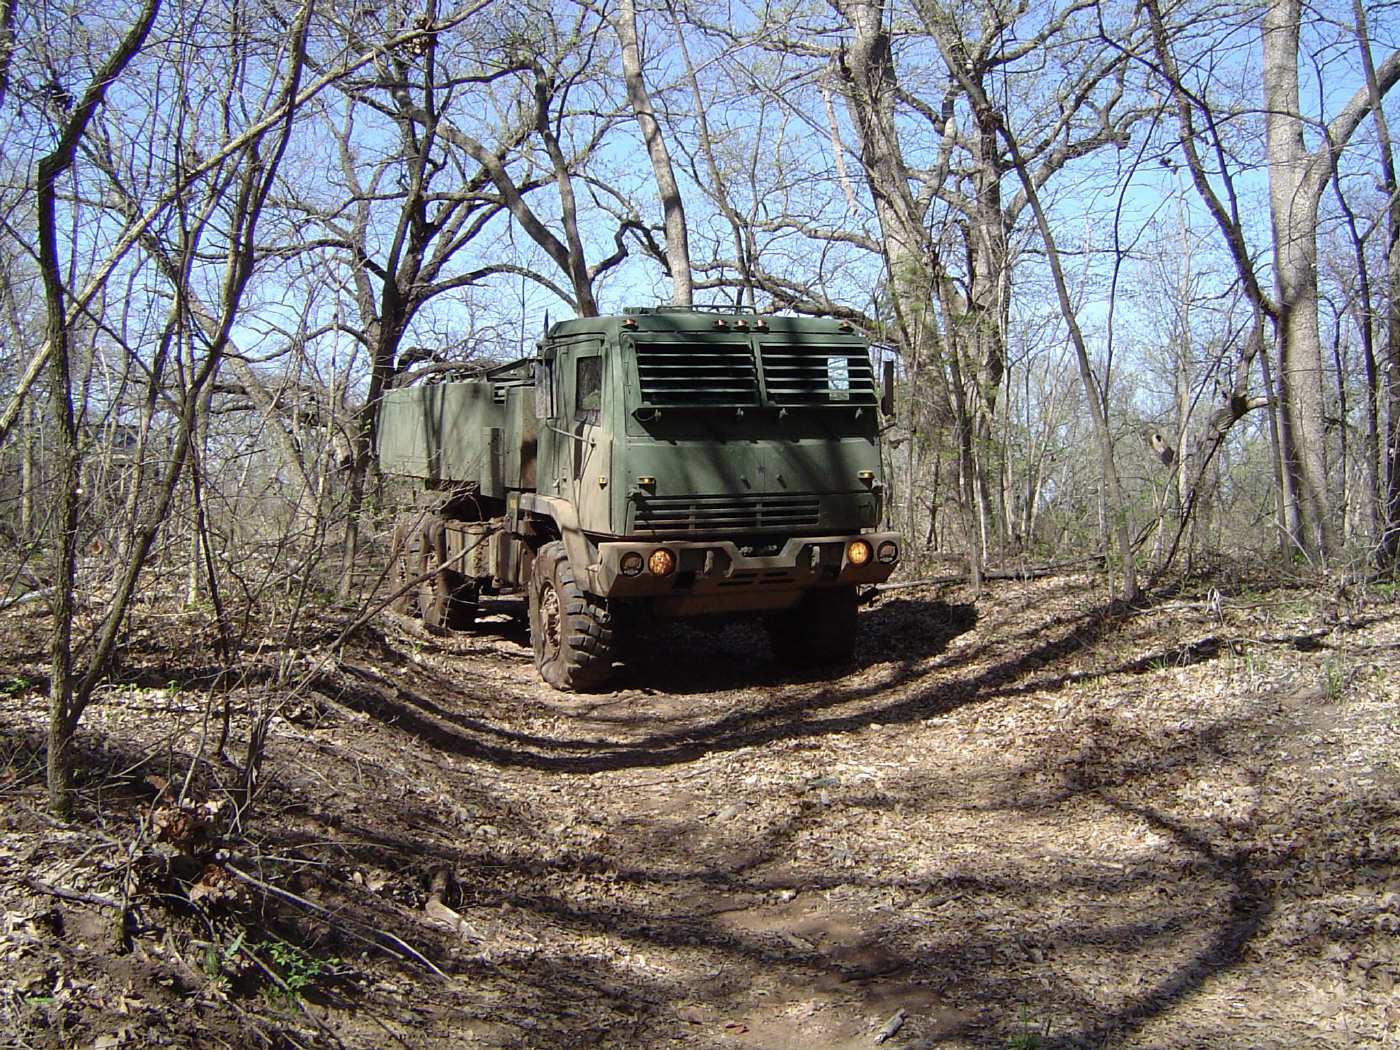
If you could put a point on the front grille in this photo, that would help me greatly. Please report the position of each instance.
(685, 515)
(697, 374)
(795, 374)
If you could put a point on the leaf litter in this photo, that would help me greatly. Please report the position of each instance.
(1028, 814)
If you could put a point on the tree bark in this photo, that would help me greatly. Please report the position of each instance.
(1388, 467)
(672, 205)
(1293, 206)
(1297, 179)
(871, 88)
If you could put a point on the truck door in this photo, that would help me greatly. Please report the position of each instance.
(579, 458)
(591, 455)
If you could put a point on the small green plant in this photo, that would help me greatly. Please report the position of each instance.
(219, 958)
(15, 686)
(299, 969)
(1157, 664)
(1029, 1036)
(1334, 679)
(1245, 661)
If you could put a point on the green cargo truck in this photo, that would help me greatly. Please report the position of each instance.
(658, 464)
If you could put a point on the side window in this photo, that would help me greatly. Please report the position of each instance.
(588, 389)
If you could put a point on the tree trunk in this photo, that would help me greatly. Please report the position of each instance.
(871, 88)
(28, 474)
(64, 531)
(1293, 214)
(672, 207)
(1388, 467)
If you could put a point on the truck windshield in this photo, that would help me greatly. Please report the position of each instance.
(810, 373)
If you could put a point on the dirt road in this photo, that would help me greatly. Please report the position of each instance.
(1027, 821)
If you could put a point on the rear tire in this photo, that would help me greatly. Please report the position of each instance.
(446, 598)
(572, 630)
(405, 559)
(819, 631)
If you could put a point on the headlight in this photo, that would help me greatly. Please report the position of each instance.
(662, 562)
(857, 552)
(888, 552)
(631, 563)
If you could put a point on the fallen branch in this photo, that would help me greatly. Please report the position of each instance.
(25, 599)
(39, 886)
(893, 1025)
(397, 945)
(437, 910)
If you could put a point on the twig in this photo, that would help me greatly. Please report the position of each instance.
(39, 886)
(894, 1024)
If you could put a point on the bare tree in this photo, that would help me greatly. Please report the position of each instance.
(71, 693)
(1297, 179)
(454, 186)
(65, 707)
(1389, 472)
(1093, 389)
(672, 205)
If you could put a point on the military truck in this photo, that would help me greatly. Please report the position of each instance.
(656, 464)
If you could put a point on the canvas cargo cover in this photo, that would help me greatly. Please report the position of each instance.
(442, 432)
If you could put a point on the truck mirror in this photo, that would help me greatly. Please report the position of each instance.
(887, 390)
(544, 390)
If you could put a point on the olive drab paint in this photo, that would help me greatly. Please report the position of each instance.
(745, 446)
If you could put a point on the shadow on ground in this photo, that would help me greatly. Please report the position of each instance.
(1186, 913)
(709, 929)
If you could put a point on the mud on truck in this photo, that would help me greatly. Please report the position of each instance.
(661, 463)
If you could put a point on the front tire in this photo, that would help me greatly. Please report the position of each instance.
(571, 630)
(818, 632)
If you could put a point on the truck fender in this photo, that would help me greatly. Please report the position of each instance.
(565, 517)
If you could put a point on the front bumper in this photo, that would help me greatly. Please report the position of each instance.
(716, 569)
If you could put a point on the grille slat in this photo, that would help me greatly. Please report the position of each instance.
(715, 374)
(684, 515)
(817, 375)
(689, 374)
